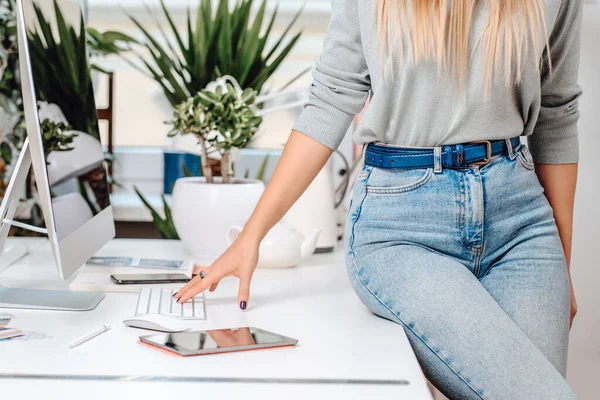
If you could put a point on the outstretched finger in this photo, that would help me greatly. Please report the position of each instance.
(184, 288)
(213, 287)
(197, 285)
(244, 291)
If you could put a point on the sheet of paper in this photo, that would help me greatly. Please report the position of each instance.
(135, 263)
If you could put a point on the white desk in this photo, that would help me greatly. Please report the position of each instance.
(343, 349)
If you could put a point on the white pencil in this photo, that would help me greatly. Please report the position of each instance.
(89, 336)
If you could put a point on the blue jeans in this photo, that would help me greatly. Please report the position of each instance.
(469, 262)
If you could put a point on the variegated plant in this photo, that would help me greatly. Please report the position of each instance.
(222, 121)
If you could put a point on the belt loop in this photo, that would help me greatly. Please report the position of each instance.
(437, 160)
(511, 151)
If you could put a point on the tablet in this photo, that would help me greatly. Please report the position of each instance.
(198, 343)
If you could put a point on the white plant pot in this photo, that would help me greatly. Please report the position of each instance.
(203, 213)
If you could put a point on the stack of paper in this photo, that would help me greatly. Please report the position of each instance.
(95, 275)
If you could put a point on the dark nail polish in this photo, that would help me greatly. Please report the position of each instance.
(243, 305)
(175, 295)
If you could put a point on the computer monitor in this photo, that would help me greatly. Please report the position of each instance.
(63, 144)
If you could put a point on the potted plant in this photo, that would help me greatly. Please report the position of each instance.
(165, 226)
(205, 207)
(217, 41)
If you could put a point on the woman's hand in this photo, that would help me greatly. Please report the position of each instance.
(239, 260)
(300, 162)
(573, 302)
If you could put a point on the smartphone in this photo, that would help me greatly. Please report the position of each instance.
(136, 279)
(216, 341)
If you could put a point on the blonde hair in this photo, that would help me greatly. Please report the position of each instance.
(441, 30)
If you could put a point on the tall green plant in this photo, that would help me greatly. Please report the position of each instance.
(219, 42)
(61, 71)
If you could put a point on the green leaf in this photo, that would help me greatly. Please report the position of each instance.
(6, 153)
(262, 171)
(295, 78)
(114, 36)
(270, 69)
(186, 172)
(165, 227)
(225, 38)
(284, 35)
(170, 224)
(174, 30)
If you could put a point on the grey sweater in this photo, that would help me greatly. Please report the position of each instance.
(421, 108)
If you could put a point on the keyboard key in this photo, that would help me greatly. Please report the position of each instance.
(187, 309)
(165, 303)
(153, 306)
(161, 301)
(143, 301)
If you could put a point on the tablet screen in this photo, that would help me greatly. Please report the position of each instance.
(219, 340)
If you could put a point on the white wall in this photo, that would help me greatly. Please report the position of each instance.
(584, 350)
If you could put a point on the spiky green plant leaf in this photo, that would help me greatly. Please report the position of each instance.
(262, 171)
(221, 41)
(164, 226)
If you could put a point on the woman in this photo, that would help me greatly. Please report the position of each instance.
(456, 231)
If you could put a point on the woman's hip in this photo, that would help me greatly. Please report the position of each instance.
(456, 212)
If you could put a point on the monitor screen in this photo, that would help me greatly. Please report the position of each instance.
(68, 121)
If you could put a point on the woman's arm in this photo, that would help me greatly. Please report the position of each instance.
(554, 143)
(340, 87)
(301, 161)
(559, 182)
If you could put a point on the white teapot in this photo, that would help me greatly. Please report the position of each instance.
(283, 247)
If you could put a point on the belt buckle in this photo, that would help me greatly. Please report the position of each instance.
(488, 155)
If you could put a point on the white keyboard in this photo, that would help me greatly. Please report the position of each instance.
(161, 301)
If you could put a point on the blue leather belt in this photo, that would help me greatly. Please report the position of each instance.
(451, 156)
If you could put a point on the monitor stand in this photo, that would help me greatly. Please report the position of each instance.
(59, 300)
(62, 300)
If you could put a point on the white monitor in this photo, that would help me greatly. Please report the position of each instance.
(70, 174)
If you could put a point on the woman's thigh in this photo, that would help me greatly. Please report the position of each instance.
(535, 294)
(466, 344)
(524, 267)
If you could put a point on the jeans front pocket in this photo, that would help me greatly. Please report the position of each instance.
(525, 158)
(397, 181)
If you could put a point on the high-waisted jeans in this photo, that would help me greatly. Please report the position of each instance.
(469, 262)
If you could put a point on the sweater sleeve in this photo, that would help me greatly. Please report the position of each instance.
(555, 137)
(341, 81)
